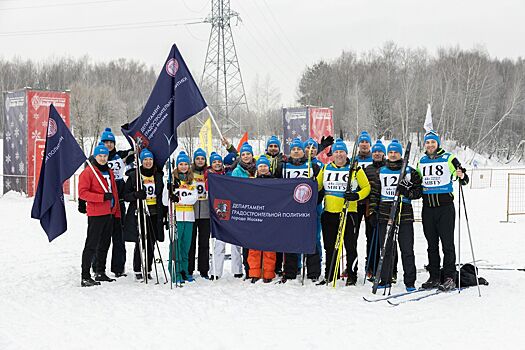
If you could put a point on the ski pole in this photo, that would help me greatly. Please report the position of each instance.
(462, 195)
(372, 247)
(459, 242)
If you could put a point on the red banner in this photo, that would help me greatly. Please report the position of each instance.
(37, 115)
(321, 124)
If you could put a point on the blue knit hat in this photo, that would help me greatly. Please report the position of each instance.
(378, 147)
(297, 143)
(273, 140)
(107, 135)
(262, 160)
(199, 153)
(145, 153)
(432, 135)
(364, 136)
(183, 158)
(246, 148)
(339, 145)
(100, 149)
(215, 156)
(311, 142)
(395, 146)
(230, 158)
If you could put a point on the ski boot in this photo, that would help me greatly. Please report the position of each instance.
(410, 288)
(238, 275)
(120, 274)
(383, 285)
(102, 277)
(447, 285)
(88, 282)
(431, 283)
(267, 280)
(351, 280)
(254, 280)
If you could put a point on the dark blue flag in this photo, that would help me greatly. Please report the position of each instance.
(174, 99)
(276, 215)
(62, 157)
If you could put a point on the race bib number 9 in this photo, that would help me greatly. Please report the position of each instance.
(201, 191)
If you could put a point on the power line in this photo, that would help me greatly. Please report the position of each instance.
(106, 27)
(63, 4)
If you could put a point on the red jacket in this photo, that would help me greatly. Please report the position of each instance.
(89, 189)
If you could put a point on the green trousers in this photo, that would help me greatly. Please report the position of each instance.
(182, 244)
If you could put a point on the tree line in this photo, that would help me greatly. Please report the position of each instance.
(477, 100)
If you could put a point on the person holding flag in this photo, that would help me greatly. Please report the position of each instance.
(151, 193)
(219, 250)
(262, 263)
(98, 188)
(118, 161)
(184, 195)
(299, 166)
(246, 168)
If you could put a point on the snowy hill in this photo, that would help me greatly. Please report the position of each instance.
(44, 307)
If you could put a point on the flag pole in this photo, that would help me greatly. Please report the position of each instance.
(96, 175)
(214, 122)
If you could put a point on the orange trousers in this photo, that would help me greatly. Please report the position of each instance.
(268, 262)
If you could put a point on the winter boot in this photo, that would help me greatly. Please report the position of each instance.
(431, 283)
(383, 285)
(351, 280)
(138, 276)
(213, 278)
(447, 285)
(255, 279)
(267, 280)
(120, 274)
(102, 277)
(393, 280)
(205, 276)
(238, 275)
(89, 282)
(410, 288)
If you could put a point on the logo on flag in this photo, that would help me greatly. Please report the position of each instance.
(51, 128)
(302, 193)
(222, 208)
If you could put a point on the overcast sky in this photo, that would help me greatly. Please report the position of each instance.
(276, 37)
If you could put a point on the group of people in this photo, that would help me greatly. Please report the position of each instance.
(368, 195)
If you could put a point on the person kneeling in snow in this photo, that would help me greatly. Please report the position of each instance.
(262, 264)
(98, 188)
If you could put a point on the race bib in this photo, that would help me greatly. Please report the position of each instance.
(200, 185)
(117, 165)
(435, 174)
(389, 182)
(296, 173)
(108, 182)
(336, 180)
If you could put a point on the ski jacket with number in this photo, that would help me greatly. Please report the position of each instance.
(385, 185)
(90, 190)
(153, 185)
(201, 206)
(298, 168)
(188, 196)
(333, 180)
(438, 172)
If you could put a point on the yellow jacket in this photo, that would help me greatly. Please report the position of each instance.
(334, 179)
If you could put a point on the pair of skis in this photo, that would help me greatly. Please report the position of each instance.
(397, 299)
(392, 226)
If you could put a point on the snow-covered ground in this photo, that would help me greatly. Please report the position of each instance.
(42, 305)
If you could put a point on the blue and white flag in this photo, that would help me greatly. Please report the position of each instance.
(62, 157)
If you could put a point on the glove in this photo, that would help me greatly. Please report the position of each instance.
(351, 196)
(108, 196)
(175, 183)
(140, 194)
(174, 196)
(325, 142)
(404, 187)
(82, 208)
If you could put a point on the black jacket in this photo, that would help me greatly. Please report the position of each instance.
(130, 221)
(382, 208)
